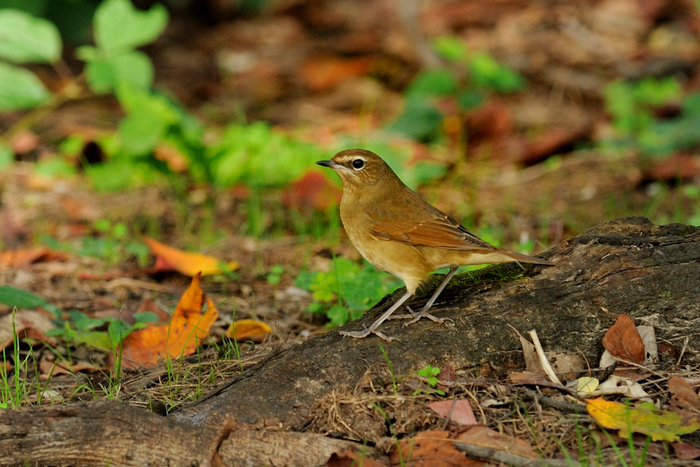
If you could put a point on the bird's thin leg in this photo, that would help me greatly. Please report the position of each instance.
(423, 313)
(380, 320)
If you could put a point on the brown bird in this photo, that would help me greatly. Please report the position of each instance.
(399, 232)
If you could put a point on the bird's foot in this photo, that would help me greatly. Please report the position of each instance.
(415, 316)
(367, 332)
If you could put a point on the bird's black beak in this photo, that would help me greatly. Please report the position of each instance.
(328, 163)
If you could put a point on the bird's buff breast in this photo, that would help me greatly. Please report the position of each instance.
(401, 260)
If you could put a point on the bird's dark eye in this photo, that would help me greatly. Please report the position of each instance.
(357, 164)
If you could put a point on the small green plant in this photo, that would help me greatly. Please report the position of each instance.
(275, 275)
(633, 107)
(430, 373)
(346, 291)
(464, 86)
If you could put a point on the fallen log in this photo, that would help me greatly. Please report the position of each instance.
(626, 266)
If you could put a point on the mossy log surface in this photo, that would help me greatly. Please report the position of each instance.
(626, 266)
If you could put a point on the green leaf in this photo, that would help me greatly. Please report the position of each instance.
(20, 89)
(24, 38)
(148, 118)
(120, 27)
(7, 157)
(19, 298)
(451, 48)
(105, 74)
(420, 119)
(436, 82)
(487, 73)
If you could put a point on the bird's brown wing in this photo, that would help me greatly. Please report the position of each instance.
(422, 224)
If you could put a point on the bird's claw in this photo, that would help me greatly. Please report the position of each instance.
(367, 332)
(415, 316)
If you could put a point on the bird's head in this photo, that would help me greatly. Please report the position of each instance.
(359, 169)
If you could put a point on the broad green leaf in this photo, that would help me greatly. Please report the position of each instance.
(119, 27)
(452, 49)
(437, 82)
(24, 38)
(420, 119)
(645, 419)
(19, 298)
(105, 74)
(20, 89)
(487, 73)
(148, 118)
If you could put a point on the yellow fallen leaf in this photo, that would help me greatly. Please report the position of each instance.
(188, 264)
(645, 418)
(181, 336)
(248, 329)
(586, 384)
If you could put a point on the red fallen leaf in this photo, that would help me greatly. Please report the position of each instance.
(668, 350)
(678, 166)
(325, 73)
(350, 458)
(314, 190)
(187, 328)
(189, 264)
(550, 143)
(685, 451)
(430, 448)
(24, 257)
(458, 411)
(682, 393)
(624, 342)
(479, 435)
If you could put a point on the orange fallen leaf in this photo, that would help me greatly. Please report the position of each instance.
(27, 256)
(187, 328)
(248, 329)
(189, 264)
(624, 342)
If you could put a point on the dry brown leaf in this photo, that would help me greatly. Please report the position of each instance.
(479, 435)
(430, 448)
(187, 328)
(189, 264)
(532, 361)
(682, 393)
(685, 451)
(624, 342)
(28, 324)
(458, 411)
(325, 73)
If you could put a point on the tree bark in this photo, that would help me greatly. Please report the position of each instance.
(626, 266)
